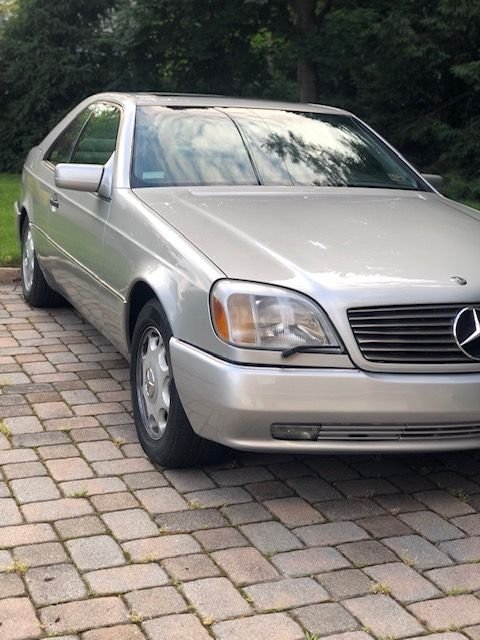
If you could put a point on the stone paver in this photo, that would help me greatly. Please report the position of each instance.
(271, 537)
(245, 565)
(9, 512)
(191, 567)
(222, 538)
(123, 579)
(217, 497)
(431, 526)
(443, 613)
(26, 534)
(326, 619)
(11, 585)
(384, 616)
(294, 512)
(131, 524)
(38, 555)
(162, 500)
(282, 627)
(467, 550)
(83, 615)
(96, 543)
(177, 627)
(331, 533)
(68, 469)
(416, 551)
(114, 501)
(92, 486)
(470, 524)
(473, 632)
(118, 632)
(80, 527)
(350, 509)
(463, 577)
(56, 509)
(58, 583)
(246, 513)
(18, 620)
(159, 601)
(34, 489)
(161, 547)
(284, 594)
(345, 583)
(403, 582)
(366, 552)
(444, 503)
(96, 552)
(216, 598)
(309, 561)
(193, 520)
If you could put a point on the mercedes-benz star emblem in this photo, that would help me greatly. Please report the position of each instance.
(466, 331)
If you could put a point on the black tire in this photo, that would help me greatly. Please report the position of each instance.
(177, 445)
(36, 291)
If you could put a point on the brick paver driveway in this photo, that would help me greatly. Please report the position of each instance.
(97, 544)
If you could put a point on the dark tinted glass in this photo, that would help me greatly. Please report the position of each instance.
(63, 146)
(99, 137)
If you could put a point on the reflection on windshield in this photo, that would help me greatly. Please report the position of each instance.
(213, 146)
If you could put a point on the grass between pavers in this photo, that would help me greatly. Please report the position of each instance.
(9, 247)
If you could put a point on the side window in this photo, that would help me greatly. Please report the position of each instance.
(63, 146)
(98, 139)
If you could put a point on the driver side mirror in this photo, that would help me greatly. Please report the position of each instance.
(79, 177)
(436, 181)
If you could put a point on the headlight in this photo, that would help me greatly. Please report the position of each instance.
(259, 316)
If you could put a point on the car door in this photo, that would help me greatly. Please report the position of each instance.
(77, 219)
(42, 188)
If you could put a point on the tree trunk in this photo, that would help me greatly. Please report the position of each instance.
(307, 23)
(306, 79)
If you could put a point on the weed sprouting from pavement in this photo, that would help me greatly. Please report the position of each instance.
(379, 587)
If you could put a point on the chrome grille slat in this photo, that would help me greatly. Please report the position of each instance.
(383, 433)
(406, 329)
(412, 334)
(372, 340)
(413, 347)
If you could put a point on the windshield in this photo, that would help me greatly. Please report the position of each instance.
(240, 146)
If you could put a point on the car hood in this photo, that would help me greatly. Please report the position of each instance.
(378, 244)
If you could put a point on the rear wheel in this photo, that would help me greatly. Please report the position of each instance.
(35, 289)
(162, 425)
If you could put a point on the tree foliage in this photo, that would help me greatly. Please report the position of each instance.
(52, 54)
(410, 69)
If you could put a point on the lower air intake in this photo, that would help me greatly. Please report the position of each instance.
(376, 433)
(410, 432)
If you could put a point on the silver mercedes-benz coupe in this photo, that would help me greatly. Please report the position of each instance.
(278, 276)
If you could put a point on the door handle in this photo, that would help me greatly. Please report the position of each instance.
(54, 201)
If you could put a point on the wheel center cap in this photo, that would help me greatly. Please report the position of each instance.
(150, 383)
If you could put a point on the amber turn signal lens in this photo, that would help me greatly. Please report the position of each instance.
(242, 323)
(220, 321)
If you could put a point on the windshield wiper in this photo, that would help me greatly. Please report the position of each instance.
(304, 348)
(381, 185)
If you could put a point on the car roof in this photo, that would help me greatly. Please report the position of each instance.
(211, 100)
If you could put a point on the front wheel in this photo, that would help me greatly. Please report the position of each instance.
(162, 425)
(35, 289)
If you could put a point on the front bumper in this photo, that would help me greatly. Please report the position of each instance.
(237, 404)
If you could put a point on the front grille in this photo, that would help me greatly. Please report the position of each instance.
(409, 432)
(415, 334)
